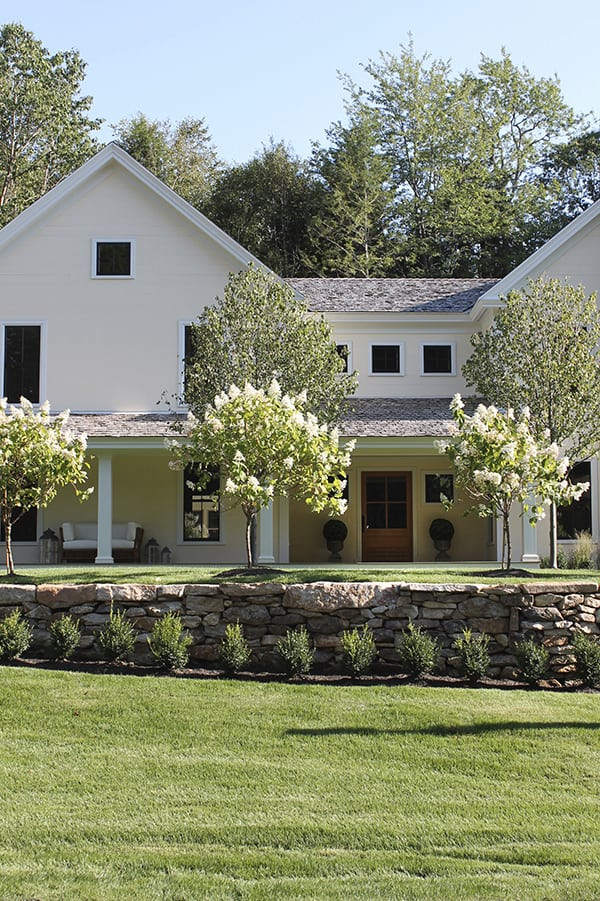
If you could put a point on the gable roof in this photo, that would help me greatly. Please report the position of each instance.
(397, 295)
(112, 154)
(534, 264)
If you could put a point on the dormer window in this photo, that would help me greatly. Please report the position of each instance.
(112, 258)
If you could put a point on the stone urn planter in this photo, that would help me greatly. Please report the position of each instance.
(441, 532)
(335, 532)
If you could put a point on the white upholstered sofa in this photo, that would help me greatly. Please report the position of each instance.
(79, 541)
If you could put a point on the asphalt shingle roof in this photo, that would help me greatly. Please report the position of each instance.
(398, 295)
(372, 417)
(397, 417)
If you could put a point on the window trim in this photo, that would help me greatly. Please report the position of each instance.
(42, 323)
(437, 475)
(181, 541)
(112, 239)
(451, 345)
(401, 357)
(349, 361)
(182, 325)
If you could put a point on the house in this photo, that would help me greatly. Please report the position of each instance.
(99, 280)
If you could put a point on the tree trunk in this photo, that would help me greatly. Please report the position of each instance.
(506, 546)
(10, 566)
(553, 537)
(250, 514)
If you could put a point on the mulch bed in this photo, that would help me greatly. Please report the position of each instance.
(97, 667)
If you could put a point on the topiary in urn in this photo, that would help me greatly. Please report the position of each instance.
(441, 532)
(335, 532)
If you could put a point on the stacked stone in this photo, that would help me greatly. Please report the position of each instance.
(266, 611)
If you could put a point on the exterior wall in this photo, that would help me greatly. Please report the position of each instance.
(361, 330)
(111, 344)
(551, 613)
(472, 540)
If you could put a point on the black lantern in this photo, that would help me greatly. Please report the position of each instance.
(49, 545)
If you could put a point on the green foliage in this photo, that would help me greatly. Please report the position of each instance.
(587, 658)
(15, 636)
(359, 650)
(169, 642)
(265, 445)
(474, 654)
(38, 455)
(352, 228)
(182, 155)
(419, 652)
(555, 373)
(261, 330)
(498, 462)
(296, 652)
(117, 638)
(44, 131)
(235, 652)
(65, 633)
(267, 204)
(584, 552)
(532, 659)
(464, 152)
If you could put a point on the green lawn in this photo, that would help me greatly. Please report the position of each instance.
(288, 574)
(124, 787)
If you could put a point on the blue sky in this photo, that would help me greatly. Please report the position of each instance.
(266, 68)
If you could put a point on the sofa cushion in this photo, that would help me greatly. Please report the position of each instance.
(81, 543)
(131, 530)
(68, 531)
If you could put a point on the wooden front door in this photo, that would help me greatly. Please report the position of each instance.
(387, 516)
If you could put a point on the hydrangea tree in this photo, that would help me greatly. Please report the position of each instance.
(266, 444)
(498, 462)
(38, 455)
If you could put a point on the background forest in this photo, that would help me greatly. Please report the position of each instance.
(431, 173)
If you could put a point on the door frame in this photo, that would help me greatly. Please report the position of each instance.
(386, 470)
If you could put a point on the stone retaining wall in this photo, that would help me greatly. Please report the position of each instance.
(507, 612)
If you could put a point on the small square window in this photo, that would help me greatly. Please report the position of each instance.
(437, 359)
(385, 358)
(438, 485)
(113, 259)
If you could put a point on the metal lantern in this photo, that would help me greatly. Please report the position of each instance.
(49, 545)
(165, 555)
(152, 551)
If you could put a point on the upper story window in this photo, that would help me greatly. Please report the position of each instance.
(387, 359)
(22, 362)
(112, 258)
(437, 359)
(345, 352)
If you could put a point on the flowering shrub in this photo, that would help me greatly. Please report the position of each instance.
(499, 462)
(38, 456)
(266, 444)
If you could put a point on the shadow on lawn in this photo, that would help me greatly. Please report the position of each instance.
(446, 731)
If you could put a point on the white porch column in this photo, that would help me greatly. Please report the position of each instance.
(530, 544)
(266, 535)
(104, 509)
(284, 530)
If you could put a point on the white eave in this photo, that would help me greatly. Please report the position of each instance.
(534, 265)
(112, 153)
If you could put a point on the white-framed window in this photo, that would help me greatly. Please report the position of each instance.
(438, 358)
(386, 358)
(184, 350)
(23, 364)
(344, 349)
(438, 484)
(201, 509)
(113, 258)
